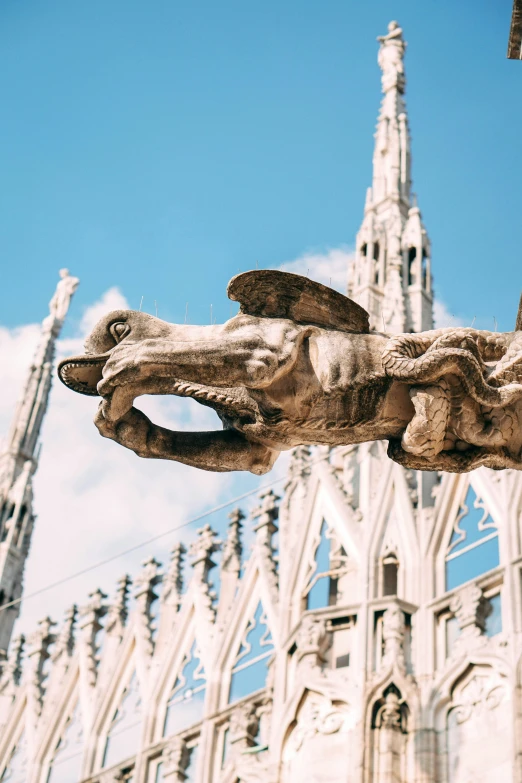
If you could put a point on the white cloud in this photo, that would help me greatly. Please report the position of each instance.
(442, 316)
(329, 267)
(94, 498)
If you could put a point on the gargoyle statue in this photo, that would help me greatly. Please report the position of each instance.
(298, 365)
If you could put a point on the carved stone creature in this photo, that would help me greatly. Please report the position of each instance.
(298, 365)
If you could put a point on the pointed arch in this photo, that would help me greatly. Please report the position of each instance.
(120, 714)
(16, 767)
(249, 641)
(327, 554)
(124, 729)
(473, 702)
(469, 544)
(65, 763)
(14, 738)
(393, 552)
(186, 700)
(250, 666)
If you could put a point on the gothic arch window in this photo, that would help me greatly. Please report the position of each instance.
(326, 567)
(390, 574)
(124, 731)
(187, 698)
(473, 548)
(424, 268)
(412, 256)
(66, 762)
(250, 666)
(376, 254)
(16, 769)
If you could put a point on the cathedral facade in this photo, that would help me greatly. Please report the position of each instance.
(373, 633)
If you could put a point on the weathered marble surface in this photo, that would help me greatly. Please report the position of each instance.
(298, 365)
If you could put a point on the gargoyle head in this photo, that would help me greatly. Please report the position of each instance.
(83, 373)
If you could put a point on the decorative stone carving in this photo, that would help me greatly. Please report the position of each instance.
(391, 56)
(201, 551)
(243, 728)
(317, 716)
(393, 635)
(145, 583)
(59, 304)
(65, 639)
(233, 549)
(90, 624)
(175, 758)
(471, 610)
(264, 517)
(298, 365)
(11, 671)
(312, 641)
(173, 580)
(38, 653)
(118, 609)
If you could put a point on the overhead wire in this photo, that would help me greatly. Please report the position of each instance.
(152, 539)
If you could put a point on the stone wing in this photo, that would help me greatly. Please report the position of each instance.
(272, 294)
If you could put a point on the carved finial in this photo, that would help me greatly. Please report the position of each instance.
(264, 517)
(90, 617)
(12, 669)
(65, 640)
(173, 581)
(233, 549)
(471, 609)
(147, 580)
(39, 643)
(267, 512)
(299, 467)
(202, 549)
(391, 58)
(119, 608)
(145, 583)
(59, 304)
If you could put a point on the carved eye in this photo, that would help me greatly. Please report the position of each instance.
(119, 330)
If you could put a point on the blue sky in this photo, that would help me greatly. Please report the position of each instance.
(161, 147)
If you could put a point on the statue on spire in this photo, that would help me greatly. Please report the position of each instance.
(391, 57)
(59, 304)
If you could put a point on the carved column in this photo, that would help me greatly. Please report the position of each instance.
(39, 644)
(118, 609)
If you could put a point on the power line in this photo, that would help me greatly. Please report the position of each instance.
(151, 540)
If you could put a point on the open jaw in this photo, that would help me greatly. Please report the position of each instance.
(82, 374)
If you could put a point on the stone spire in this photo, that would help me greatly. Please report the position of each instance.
(20, 459)
(391, 275)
